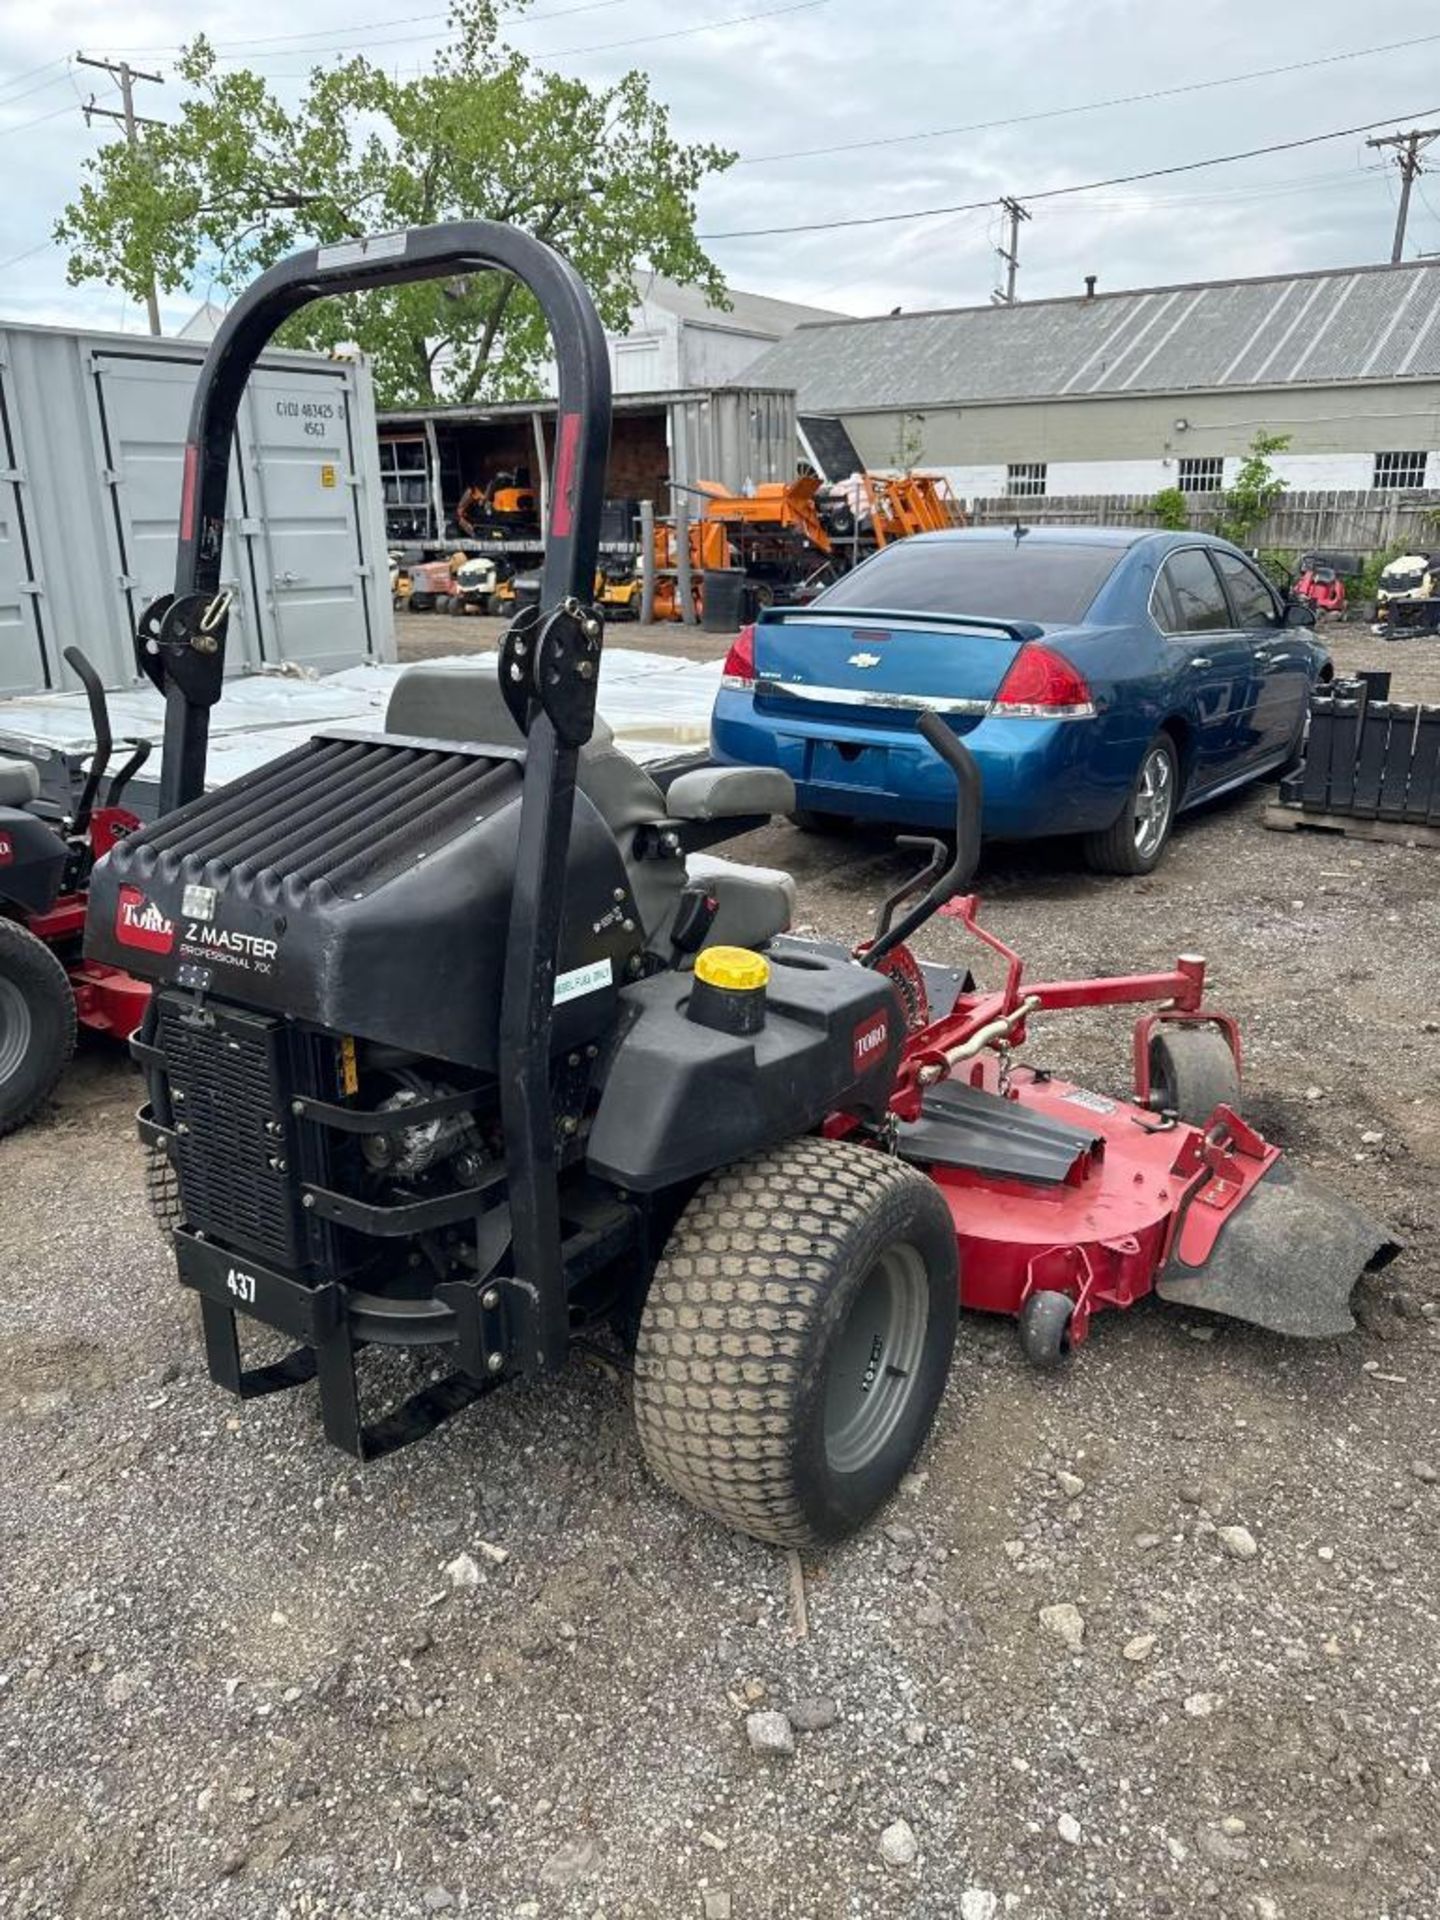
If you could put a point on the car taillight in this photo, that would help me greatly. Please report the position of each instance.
(739, 669)
(1044, 685)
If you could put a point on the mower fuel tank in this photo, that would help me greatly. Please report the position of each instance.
(363, 883)
(681, 1098)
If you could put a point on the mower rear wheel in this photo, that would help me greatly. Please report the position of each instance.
(37, 1023)
(797, 1338)
(1045, 1327)
(162, 1190)
(1192, 1071)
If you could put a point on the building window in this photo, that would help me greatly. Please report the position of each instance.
(1399, 470)
(1025, 481)
(1204, 473)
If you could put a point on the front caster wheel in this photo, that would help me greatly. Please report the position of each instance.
(1045, 1328)
(1192, 1071)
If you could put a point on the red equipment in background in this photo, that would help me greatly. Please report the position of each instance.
(47, 986)
(1321, 580)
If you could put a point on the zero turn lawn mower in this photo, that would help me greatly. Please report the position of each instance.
(457, 1043)
(46, 856)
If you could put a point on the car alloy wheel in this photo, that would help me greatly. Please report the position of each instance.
(1154, 802)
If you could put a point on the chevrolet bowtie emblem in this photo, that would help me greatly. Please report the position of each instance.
(864, 660)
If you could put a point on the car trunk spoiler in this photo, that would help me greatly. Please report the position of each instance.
(860, 617)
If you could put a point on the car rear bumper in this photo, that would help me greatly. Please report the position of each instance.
(1040, 776)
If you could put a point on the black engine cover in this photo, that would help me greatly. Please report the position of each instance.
(363, 882)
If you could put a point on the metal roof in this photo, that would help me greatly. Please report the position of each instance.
(1361, 323)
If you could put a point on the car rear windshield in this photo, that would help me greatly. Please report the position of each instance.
(1009, 579)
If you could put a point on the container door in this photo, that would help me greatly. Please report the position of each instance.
(302, 481)
(145, 414)
(22, 653)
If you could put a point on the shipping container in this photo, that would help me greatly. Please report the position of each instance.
(92, 428)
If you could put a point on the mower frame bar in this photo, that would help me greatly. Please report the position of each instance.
(195, 620)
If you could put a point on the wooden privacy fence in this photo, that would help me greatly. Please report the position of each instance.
(1364, 522)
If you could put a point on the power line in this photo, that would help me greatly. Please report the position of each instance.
(602, 46)
(226, 50)
(1053, 193)
(60, 60)
(29, 254)
(1091, 106)
(1408, 149)
(40, 118)
(41, 86)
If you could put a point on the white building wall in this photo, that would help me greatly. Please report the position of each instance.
(1304, 472)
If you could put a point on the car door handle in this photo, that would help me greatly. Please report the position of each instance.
(1202, 660)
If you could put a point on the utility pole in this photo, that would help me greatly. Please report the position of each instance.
(1011, 254)
(132, 123)
(1408, 149)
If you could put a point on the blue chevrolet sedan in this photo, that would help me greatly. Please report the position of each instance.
(1104, 678)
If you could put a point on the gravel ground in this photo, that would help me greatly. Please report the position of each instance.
(236, 1678)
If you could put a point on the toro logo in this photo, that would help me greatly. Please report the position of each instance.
(7, 850)
(140, 923)
(869, 1040)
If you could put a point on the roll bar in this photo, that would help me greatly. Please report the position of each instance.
(549, 660)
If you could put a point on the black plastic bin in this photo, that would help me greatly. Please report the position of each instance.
(723, 590)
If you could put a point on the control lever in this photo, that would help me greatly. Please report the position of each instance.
(694, 917)
(958, 874)
(100, 726)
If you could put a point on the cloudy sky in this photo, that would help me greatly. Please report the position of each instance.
(957, 104)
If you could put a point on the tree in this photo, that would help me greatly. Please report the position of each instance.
(1256, 488)
(239, 180)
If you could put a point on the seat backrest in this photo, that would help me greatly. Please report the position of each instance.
(436, 702)
(19, 783)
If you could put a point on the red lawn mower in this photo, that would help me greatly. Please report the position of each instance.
(453, 1047)
(47, 987)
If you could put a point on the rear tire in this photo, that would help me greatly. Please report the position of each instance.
(1139, 837)
(162, 1190)
(37, 1023)
(796, 1286)
(1192, 1071)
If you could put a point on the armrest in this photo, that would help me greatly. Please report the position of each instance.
(723, 793)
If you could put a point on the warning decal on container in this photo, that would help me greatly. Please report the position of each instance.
(327, 475)
(582, 980)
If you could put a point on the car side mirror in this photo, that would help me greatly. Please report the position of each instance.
(1299, 612)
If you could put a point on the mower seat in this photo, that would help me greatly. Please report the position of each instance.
(434, 702)
(19, 783)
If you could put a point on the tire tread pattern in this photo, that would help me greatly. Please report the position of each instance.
(726, 1339)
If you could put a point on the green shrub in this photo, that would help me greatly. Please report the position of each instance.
(1171, 509)
(1256, 488)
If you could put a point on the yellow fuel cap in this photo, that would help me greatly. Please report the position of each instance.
(733, 968)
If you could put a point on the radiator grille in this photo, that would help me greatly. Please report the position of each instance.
(348, 813)
(228, 1078)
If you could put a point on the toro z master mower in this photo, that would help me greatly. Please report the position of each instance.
(449, 1050)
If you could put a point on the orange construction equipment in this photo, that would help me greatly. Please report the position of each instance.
(904, 503)
(779, 506)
